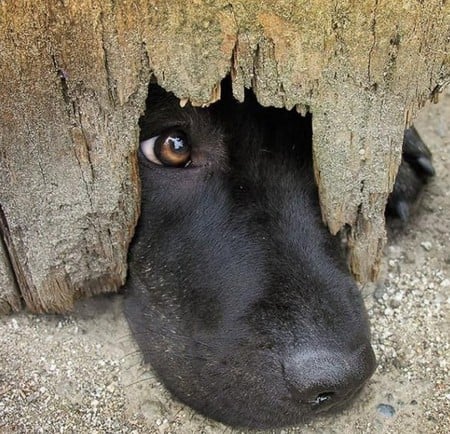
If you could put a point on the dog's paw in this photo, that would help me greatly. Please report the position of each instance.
(415, 169)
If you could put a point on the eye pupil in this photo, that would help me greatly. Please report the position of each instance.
(173, 149)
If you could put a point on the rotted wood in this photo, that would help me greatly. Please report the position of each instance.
(9, 292)
(69, 184)
(73, 83)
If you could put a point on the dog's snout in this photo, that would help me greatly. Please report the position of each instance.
(237, 294)
(325, 379)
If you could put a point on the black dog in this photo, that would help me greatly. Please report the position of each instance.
(238, 295)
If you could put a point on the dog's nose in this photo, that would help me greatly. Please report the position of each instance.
(324, 379)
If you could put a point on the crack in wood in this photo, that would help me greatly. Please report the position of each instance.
(17, 267)
(374, 42)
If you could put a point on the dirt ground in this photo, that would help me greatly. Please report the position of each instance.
(82, 373)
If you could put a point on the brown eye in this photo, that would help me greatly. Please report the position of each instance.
(169, 149)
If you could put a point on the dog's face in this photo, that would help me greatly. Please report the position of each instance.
(238, 295)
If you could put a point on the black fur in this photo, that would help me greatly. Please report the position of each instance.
(237, 294)
(413, 173)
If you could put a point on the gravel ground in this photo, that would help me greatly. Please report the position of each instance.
(81, 373)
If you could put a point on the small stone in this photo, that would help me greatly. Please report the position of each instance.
(379, 292)
(388, 311)
(426, 245)
(445, 283)
(396, 301)
(386, 410)
(15, 324)
(394, 251)
(32, 397)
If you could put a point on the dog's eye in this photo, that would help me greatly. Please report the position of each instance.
(171, 148)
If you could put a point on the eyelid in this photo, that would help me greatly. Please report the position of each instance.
(147, 148)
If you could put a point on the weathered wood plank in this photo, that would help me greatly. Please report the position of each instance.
(73, 81)
(69, 185)
(9, 293)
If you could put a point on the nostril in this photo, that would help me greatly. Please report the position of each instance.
(325, 379)
(322, 399)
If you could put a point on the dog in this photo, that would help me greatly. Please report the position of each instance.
(237, 294)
